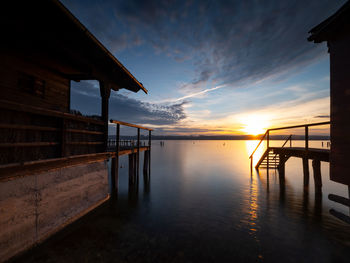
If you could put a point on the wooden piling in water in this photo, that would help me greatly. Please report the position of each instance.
(114, 176)
(282, 167)
(306, 171)
(316, 164)
(145, 163)
(131, 168)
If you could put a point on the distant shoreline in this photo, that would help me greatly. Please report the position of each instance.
(216, 138)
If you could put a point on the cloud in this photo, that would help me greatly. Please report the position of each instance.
(86, 99)
(227, 41)
(192, 95)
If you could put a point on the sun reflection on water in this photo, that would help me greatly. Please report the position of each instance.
(250, 147)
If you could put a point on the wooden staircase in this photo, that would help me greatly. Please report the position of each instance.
(268, 160)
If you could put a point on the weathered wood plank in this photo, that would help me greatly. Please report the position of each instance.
(11, 171)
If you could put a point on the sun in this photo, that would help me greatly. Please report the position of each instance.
(254, 125)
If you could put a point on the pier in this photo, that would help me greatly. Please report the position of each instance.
(131, 148)
(276, 157)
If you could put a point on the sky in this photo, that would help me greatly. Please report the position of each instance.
(211, 67)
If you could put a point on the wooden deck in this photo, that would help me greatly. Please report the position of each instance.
(310, 153)
(127, 150)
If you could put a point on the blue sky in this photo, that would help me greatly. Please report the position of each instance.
(213, 67)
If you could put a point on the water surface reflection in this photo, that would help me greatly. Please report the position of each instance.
(203, 205)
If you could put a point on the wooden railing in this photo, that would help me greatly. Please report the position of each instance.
(129, 143)
(267, 136)
(284, 144)
(29, 133)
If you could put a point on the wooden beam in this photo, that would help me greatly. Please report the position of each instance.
(300, 126)
(44, 112)
(27, 144)
(84, 131)
(339, 199)
(84, 143)
(105, 93)
(130, 125)
(10, 171)
(27, 127)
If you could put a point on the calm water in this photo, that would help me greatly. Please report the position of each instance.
(203, 205)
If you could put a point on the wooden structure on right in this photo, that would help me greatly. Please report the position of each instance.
(335, 30)
(276, 157)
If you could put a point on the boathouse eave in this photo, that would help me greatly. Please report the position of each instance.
(330, 27)
(47, 33)
(134, 84)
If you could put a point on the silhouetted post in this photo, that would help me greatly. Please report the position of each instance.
(306, 171)
(307, 138)
(131, 168)
(290, 142)
(115, 163)
(114, 168)
(105, 92)
(117, 146)
(138, 152)
(281, 167)
(268, 152)
(251, 165)
(316, 164)
(145, 166)
(149, 159)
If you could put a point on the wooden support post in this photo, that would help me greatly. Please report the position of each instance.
(281, 168)
(290, 142)
(114, 175)
(349, 196)
(306, 171)
(268, 151)
(149, 158)
(138, 152)
(316, 164)
(115, 164)
(131, 169)
(105, 92)
(307, 138)
(145, 164)
(251, 166)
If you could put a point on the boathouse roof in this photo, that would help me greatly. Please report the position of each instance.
(332, 25)
(47, 26)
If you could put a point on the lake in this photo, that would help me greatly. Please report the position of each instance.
(203, 205)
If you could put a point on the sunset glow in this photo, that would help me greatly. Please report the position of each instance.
(254, 125)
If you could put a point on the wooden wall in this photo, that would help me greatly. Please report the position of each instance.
(48, 131)
(340, 107)
(13, 69)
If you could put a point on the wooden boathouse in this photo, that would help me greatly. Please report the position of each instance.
(53, 164)
(335, 30)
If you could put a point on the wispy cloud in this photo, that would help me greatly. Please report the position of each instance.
(192, 95)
